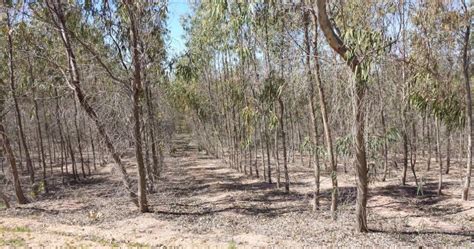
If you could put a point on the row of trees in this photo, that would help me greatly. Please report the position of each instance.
(261, 84)
(76, 77)
(267, 81)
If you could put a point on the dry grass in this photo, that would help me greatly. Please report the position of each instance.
(200, 202)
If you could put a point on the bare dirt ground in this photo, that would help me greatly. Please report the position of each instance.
(200, 202)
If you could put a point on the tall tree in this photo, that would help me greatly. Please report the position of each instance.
(467, 82)
(11, 63)
(56, 14)
(324, 113)
(132, 10)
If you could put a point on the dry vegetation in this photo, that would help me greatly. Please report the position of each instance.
(203, 203)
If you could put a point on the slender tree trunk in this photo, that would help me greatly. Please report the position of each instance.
(428, 160)
(312, 109)
(405, 155)
(440, 160)
(267, 147)
(148, 167)
(61, 137)
(79, 141)
(40, 138)
(11, 158)
(20, 150)
(277, 158)
(5, 199)
(93, 149)
(358, 110)
(257, 173)
(385, 147)
(137, 93)
(29, 164)
(48, 138)
(283, 138)
(413, 151)
(262, 151)
(71, 153)
(469, 121)
(327, 129)
(448, 151)
(82, 127)
(151, 128)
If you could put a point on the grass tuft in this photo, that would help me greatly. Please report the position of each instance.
(18, 229)
(16, 242)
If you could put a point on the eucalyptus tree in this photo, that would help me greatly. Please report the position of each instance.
(436, 84)
(5, 21)
(11, 10)
(358, 46)
(466, 59)
(323, 107)
(7, 148)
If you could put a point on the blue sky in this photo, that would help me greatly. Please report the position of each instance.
(176, 9)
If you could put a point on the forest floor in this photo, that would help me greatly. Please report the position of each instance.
(201, 202)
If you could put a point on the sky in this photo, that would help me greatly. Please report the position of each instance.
(176, 9)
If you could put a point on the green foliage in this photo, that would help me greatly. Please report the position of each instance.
(232, 245)
(249, 117)
(344, 145)
(444, 103)
(363, 41)
(306, 145)
(367, 45)
(375, 143)
(272, 90)
(273, 121)
(37, 189)
(138, 245)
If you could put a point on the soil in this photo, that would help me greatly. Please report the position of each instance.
(201, 202)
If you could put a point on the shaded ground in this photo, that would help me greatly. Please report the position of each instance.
(200, 202)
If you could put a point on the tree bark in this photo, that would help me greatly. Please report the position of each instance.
(79, 141)
(428, 134)
(5, 199)
(467, 84)
(283, 141)
(413, 150)
(440, 159)
(312, 110)
(61, 136)
(40, 137)
(448, 151)
(358, 109)
(11, 158)
(137, 93)
(29, 163)
(326, 127)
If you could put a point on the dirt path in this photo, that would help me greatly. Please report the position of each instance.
(202, 203)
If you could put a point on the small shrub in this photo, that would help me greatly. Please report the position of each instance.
(232, 245)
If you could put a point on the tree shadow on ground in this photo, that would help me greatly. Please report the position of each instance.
(426, 232)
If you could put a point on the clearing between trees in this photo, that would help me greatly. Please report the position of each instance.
(201, 202)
